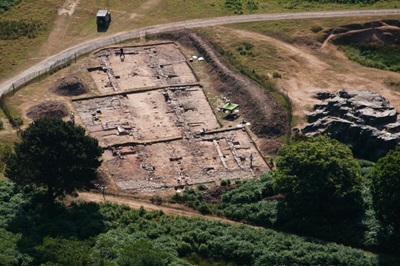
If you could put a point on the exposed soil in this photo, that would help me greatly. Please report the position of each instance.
(69, 86)
(213, 195)
(68, 8)
(136, 204)
(51, 109)
(384, 32)
(269, 119)
(160, 129)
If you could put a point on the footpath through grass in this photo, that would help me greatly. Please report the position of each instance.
(23, 29)
(130, 15)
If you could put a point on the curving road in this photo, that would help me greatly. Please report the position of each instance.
(92, 45)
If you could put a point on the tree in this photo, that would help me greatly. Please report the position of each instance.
(385, 189)
(5, 152)
(56, 155)
(319, 177)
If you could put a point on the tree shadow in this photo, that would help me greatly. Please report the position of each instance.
(348, 230)
(38, 220)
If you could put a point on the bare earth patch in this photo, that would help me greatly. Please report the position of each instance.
(308, 70)
(157, 123)
(68, 8)
(380, 32)
(51, 109)
(69, 86)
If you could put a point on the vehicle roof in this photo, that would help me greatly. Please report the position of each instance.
(102, 13)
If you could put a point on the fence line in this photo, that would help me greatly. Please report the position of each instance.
(54, 62)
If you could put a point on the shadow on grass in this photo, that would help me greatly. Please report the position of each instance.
(45, 226)
(103, 28)
(348, 230)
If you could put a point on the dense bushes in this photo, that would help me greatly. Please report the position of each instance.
(12, 30)
(238, 5)
(7, 4)
(378, 56)
(363, 2)
(109, 234)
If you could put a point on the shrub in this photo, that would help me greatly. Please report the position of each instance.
(316, 29)
(276, 75)
(12, 30)
(204, 208)
(7, 4)
(201, 187)
(157, 200)
(225, 182)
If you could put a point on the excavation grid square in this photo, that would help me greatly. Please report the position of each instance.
(141, 67)
(159, 129)
(147, 116)
(172, 164)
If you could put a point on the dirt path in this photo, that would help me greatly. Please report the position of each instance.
(308, 71)
(302, 82)
(177, 210)
(145, 7)
(39, 68)
(60, 27)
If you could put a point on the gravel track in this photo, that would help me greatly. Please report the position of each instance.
(136, 204)
(92, 45)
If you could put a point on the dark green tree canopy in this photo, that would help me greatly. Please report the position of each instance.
(320, 177)
(56, 155)
(386, 189)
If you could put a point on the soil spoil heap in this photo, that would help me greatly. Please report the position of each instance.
(50, 109)
(69, 86)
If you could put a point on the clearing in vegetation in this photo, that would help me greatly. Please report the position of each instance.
(158, 125)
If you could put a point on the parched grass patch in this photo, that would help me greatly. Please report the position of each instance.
(393, 83)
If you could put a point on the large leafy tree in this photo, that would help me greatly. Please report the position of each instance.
(319, 177)
(385, 189)
(56, 155)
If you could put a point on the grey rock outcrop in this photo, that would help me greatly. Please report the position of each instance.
(362, 119)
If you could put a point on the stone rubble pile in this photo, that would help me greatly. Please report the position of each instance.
(362, 119)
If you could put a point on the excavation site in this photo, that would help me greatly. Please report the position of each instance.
(157, 125)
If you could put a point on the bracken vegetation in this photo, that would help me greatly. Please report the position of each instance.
(7, 4)
(363, 2)
(12, 30)
(238, 5)
(382, 57)
(109, 234)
